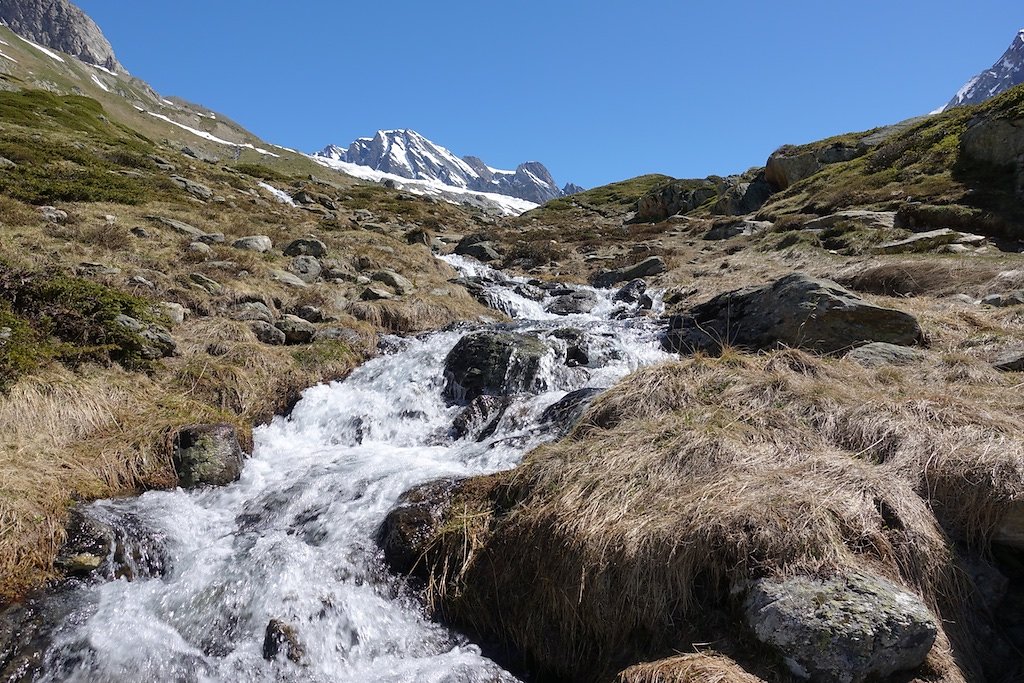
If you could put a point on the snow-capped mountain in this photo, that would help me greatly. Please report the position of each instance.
(407, 154)
(1004, 74)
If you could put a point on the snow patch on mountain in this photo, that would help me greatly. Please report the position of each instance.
(208, 136)
(409, 155)
(504, 204)
(1006, 73)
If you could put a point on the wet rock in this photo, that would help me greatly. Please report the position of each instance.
(296, 330)
(493, 363)
(258, 243)
(841, 630)
(156, 341)
(797, 311)
(306, 268)
(208, 284)
(528, 291)
(565, 413)
(632, 292)
(109, 549)
(403, 534)
(579, 301)
(195, 189)
(207, 455)
(267, 333)
(646, 268)
(480, 418)
(286, 278)
(878, 354)
(1010, 530)
(282, 639)
(396, 282)
(306, 246)
(480, 246)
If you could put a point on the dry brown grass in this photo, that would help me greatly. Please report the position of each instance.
(935, 276)
(635, 533)
(694, 668)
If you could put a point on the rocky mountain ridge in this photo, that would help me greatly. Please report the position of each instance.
(60, 25)
(1003, 75)
(408, 154)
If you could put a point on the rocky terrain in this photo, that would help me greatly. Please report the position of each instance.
(62, 26)
(818, 476)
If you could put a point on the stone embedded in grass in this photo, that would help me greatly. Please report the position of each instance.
(306, 246)
(180, 227)
(195, 189)
(267, 333)
(258, 243)
(1004, 300)
(212, 238)
(296, 330)
(53, 214)
(207, 455)
(1010, 360)
(286, 278)
(376, 293)
(205, 283)
(878, 354)
(252, 311)
(306, 268)
(396, 282)
(342, 334)
(928, 241)
(156, 342)
(841, 630)
(200, 248)
(797, 311)
(174, 312)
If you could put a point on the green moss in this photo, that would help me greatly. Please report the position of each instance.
(262, 172)
(21, 349)
(620, 195)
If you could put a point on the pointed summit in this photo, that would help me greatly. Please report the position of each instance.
(60, 25)
(1003, 75)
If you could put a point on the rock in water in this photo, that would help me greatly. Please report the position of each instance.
(797, 311)
(420, 511)
(281, 638)
(207, 455)
(493, 363)
(841, 630)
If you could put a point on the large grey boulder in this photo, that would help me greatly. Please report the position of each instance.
(401, 285)
(195, 189)
(258, 243)
(306, 268)
(841, 630)
(406, 529)
(296, 330)
(480, 246)
(789, 165)
(207, 455)
(797, 311)
(493, 363)
(250, 311)
(654, 265)
(306, 246)
(577, 301)
(267, 333)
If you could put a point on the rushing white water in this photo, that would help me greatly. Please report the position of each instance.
(293, 539)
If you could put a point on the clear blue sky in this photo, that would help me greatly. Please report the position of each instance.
(598, 91)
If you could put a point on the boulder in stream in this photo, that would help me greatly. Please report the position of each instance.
(207, 455)
(493, 362)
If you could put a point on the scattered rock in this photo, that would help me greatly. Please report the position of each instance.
(200, 248)
(286, 278)
(480, 246)
(679, 196)
(174, 312)
(6, 164)
(157, 342)
(267, 333)
(744, 228)
(1010, 360)
(878, 354)
(200, 155)
(192, 187)
(257, 243)
(209, 284)
(91, 269)
(53, 214)
(296, 330)
(310, 313)
(342, 334)
(926, 241)
(207, 455)
(646, 268)
(579, 301)
(306, 268)
(418, 236)
(306, 246)
(376, 293)
(399, 284)
(212, 238)
(252, 311)
(281, 638)
(841, 630)
(493, 363)
(632, 292)
(872, 220)
(177, 226)
(162, 164)
(1004, 300)
(797, 311)
(141, 232)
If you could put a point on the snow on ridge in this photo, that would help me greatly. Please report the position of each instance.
(8, 57)
(280, 195)
(100, 83)
(209, 136)
(509, 206)
(46, 51)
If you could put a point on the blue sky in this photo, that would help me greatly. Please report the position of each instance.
(598, 91)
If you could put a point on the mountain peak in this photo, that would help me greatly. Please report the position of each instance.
(408, 154)
(60, 25)
(1007, 72)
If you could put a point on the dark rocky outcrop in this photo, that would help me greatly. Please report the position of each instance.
(797, 311)
(566, 412)
(306, 246)
(680, 196)
(207, 455)
(654, 265)
(492, 363)
(577, 301)
(480, 246)
(406, 529)
(841, 630)
(789, 165)
(281, 638)
(97, 547)
(60, 25)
